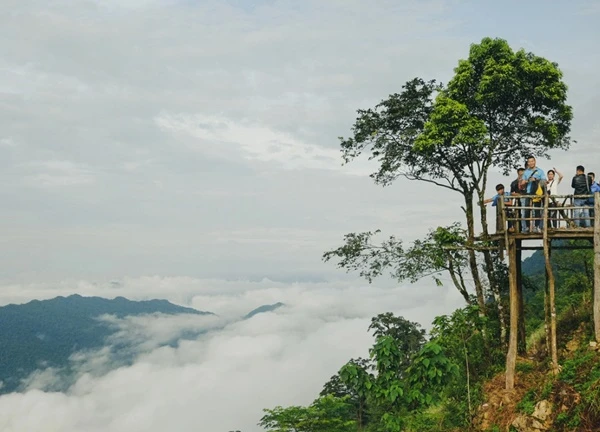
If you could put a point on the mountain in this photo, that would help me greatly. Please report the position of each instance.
(42, 334)
(263, 309)
(535, 264)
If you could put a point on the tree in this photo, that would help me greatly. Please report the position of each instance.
(351, 383)
(325, 414)
(440, 251)
(407, 335)
(499, 107)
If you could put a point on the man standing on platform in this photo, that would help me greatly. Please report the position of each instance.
(533, 179)
(515, 190)
(581, 186)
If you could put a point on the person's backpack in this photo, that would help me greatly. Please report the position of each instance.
(539, 192)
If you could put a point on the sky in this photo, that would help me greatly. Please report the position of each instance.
(188, 150)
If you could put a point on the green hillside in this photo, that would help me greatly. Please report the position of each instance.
(45, 333)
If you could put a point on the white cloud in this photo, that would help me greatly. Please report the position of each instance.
(222, 137)
(7, 142)
(224, 378)
(56, 173)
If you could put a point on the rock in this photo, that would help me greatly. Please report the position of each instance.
(572, 345)
(594, 346)
(543, 410)
(539, 421)
(520, 423)
(523, 423)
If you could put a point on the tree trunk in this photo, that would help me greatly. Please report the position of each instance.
(471, 252)
(511, 356)
(489, 265)
(551, 291)
(597, 266)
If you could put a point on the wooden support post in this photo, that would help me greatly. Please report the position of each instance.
(522, 335)
(597, 266)
(547, 324)
(511, 356)
(501, 225)
(551, 291)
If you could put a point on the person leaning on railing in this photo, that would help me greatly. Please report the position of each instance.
(581, 186)
(507, 202)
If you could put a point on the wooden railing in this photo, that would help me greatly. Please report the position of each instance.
(555, 212)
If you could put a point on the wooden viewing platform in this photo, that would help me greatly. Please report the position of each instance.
(557, 218)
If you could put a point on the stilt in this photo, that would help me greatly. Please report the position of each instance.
(597, 266)
(511, 356)
(522, 336)
(551, 291)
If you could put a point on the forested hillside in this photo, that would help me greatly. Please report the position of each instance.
(453, 378)
(44, 333)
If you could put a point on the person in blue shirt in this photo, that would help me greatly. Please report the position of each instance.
(500, 192)
(594, 187)
(532, 178)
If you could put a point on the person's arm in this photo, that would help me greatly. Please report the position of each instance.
(560, 175)
(573, 182)
(487, 201)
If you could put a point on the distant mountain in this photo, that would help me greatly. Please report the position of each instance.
(263, 309)
(535, 264)
(45, 333)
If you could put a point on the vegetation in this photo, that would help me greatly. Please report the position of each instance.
(417, 382)
(43, 334)
(499, 107)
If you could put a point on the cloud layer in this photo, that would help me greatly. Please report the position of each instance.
(223, 379)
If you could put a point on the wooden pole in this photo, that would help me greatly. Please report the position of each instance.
(551, 292)
(597, 266)
(547, 324)
(522, 335)
(501, 226)
(511, 355)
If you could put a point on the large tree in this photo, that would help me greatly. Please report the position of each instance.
(499, 107)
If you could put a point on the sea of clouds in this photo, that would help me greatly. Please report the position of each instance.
(221, 380)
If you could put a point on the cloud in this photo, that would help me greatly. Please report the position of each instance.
(222, 137)
(223, 378)
(7, 142)
(56, 173)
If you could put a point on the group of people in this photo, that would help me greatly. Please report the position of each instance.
(534, 182)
